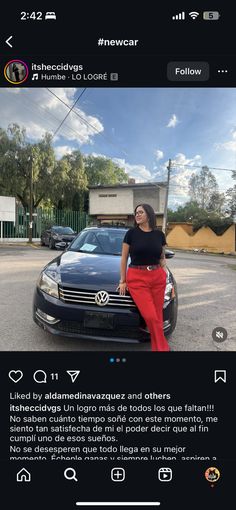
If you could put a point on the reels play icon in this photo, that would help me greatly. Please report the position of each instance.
(165, 474)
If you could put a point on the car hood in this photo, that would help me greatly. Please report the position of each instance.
(91, 271)
(67, 237)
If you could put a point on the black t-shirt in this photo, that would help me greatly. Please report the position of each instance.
(145, 247)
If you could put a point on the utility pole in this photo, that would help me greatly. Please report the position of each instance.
(166, 201)
(31, 201)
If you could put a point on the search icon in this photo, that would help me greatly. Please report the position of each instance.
(40, 376)
(70, 474)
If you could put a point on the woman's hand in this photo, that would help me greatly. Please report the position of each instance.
(122, 288)
(163, 266)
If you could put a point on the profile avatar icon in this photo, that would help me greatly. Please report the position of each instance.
(16, 71)
(212, 474)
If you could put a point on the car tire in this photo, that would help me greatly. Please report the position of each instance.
(51, 244)
(41, 242)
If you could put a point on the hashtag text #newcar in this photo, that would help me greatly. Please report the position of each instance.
(117, 42)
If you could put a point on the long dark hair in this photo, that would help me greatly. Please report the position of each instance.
(150, 214)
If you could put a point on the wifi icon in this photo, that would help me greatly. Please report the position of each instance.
(194, 14)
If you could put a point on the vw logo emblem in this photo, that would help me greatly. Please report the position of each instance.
(102, 298)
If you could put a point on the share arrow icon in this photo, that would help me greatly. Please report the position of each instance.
(73, 374)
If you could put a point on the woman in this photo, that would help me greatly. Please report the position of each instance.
(146, 275)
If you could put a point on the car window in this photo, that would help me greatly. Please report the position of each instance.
(63, 230)
(95, 241)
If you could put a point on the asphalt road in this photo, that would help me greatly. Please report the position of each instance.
(207, 299)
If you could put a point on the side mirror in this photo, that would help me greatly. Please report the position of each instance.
(169, 254)
(61, 246)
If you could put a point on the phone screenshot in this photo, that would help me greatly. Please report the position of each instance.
(117, 257)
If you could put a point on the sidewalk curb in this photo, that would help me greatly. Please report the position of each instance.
(23, 244)
(177, 250)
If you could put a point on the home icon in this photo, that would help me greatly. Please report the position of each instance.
(23, 476)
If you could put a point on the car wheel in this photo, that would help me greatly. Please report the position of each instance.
(41, 242)
(51, 244)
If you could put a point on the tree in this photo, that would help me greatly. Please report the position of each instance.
(63, 183)
(199, 217)
(69, 182)
(202, 186)
(14, 158)
(231, 201)
(78, 181)
(186, 212)
(60, 181)
(21, 161)
(216, 202)
(103, 171)
(214, 221)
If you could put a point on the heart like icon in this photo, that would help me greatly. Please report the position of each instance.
(15, 375)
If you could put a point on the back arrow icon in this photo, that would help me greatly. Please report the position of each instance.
(7, 41)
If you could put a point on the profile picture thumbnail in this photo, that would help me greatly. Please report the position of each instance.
(16, 71)
(212, 474)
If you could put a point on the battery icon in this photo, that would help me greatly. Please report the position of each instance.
(211, 15)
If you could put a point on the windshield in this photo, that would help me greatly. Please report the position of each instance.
(63, 230)
(99, 241)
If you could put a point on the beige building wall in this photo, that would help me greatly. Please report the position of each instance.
(204, 238)
(124, 200)
(111, 201)
(188, 227)
(149, 196)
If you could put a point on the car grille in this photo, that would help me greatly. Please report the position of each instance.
(73, 327)
(68, 295)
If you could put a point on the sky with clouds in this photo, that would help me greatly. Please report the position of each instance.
(140, 129)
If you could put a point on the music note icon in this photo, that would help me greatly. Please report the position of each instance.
(35, 76)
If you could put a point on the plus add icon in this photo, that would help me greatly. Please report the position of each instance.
(118, 474)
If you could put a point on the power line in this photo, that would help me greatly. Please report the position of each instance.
(210, 167)
(65, 128)
(88, 123)
(76, 113)
(183, 186)
(49, 122)
(68, 113)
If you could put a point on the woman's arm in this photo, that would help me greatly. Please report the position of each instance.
(123, 263)
(163, 258)
(123, 267)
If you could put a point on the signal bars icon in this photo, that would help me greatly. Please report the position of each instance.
(179, 17)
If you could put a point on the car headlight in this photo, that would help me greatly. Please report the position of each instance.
(168, 292)
(47, 285)
(169, 287)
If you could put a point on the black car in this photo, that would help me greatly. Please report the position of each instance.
(54, 234)
(76, 292)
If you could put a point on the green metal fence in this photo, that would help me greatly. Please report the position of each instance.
(42, 218)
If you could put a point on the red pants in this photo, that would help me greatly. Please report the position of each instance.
(147, 288)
